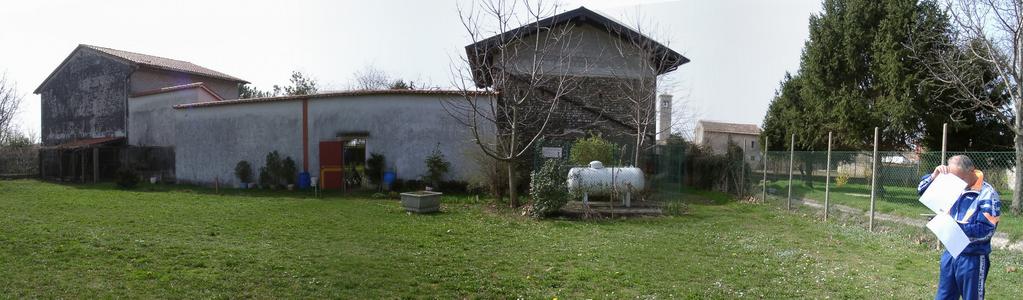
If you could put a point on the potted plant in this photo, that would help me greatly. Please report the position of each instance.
(288, 172)
(243, 170)
(421, 201)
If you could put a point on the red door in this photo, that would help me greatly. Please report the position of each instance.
(331, 165)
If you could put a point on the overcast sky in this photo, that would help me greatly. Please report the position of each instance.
(739, 49)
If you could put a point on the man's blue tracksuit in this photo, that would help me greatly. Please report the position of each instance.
(977, 212)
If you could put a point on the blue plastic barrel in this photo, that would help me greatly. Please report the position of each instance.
(303, 180)
(389, 178)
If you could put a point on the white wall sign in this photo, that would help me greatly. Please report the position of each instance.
(551, 152)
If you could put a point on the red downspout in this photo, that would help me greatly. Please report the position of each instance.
(305, 135)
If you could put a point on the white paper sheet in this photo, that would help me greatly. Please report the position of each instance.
(943, 193)
(949, 233)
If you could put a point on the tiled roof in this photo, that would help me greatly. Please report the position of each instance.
(163, 63)
(329, 95)
(709, 126)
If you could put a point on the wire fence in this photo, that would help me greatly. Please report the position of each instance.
(844, 182)
(19, 161)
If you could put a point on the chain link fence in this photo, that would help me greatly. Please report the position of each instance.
(843, 183)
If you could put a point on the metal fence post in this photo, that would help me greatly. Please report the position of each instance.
(827, 180)
(792, 156)
(944, 142)
(764, 157)
(873, 183)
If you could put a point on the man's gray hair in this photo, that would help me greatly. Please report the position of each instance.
(963, 162)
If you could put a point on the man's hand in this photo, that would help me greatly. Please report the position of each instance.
(939, 170)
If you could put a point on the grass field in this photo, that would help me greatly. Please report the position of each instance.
(93, 241)
(900, 201)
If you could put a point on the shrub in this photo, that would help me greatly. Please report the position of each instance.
(127, 178)
(375, 169)
(590, 149)
(273, 168)
(490, 177)
(288, 171)
(265, 180)
(841, 179)
(436, 167)
(548, 189)
(675, 208)
(453, 186)
(243, 170)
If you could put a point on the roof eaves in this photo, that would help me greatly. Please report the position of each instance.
(332, 94)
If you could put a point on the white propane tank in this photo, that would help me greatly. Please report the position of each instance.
(598, 180)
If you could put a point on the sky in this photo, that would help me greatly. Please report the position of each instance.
(740, 49)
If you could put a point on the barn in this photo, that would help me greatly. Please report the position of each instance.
(103, 109)
(91, 121)
(179, 122)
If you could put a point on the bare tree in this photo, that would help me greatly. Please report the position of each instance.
(521, 56)
(10, 102)
(371, 78)
(981, 62)
(641, 77)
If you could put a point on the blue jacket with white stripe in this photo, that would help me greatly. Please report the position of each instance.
(977, 211)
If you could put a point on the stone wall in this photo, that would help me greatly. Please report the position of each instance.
(85, 99)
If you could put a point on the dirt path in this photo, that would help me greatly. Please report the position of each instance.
(1000, 240)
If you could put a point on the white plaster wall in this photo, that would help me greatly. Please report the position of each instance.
(151, 118)
(212, 140)
(404, 128)
(147, 80)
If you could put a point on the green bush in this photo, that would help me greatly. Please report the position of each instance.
(548, 189)
(265, 180)
(273, 168)
(127, 178)
(288, 171)
(243, 170)
(375, 169)
(675, 208)
(590, 149)
(278, 171)
(436, 167)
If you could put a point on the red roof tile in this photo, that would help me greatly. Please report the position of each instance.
(710, 126)
(163, 63)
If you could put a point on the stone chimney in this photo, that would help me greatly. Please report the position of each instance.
(664, 119)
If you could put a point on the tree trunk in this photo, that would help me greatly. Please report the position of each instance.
(1017, 123)
(513, 195)
(1017, 182)
(639, 144)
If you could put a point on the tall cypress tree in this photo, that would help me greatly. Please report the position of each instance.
(857, 71)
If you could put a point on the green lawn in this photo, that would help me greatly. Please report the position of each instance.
(93, 241)
(900, 201)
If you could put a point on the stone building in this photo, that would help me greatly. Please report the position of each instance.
(717, 136)
(180, 122)
(93, 107)
(599, 67)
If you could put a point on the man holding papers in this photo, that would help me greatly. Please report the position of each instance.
(976, 211)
